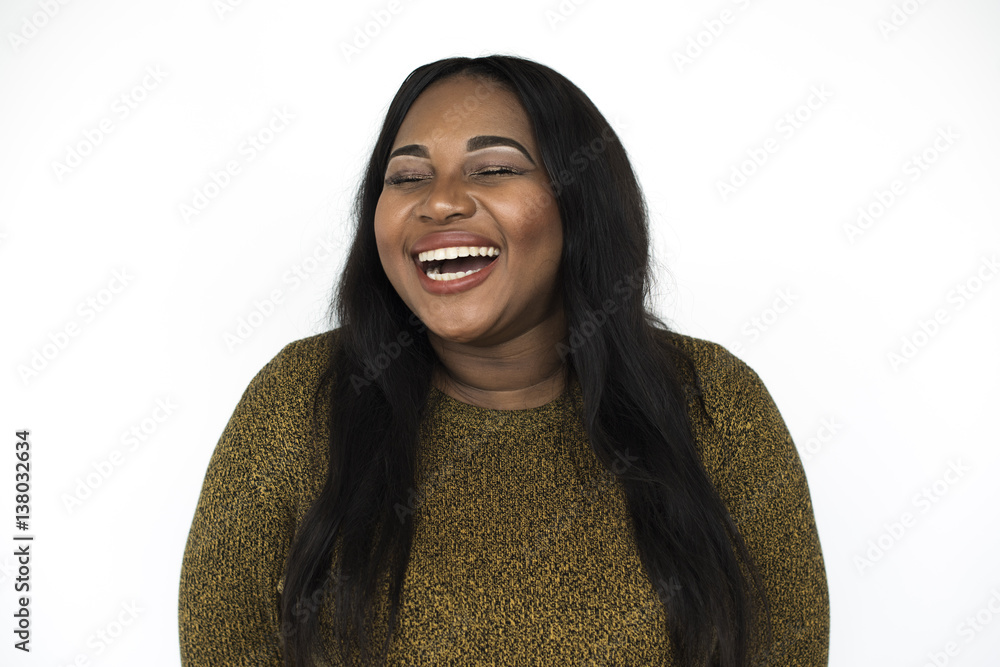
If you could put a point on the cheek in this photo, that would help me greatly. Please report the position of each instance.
(380, 211)
(544, 228)
(385, 233)
(535, 219)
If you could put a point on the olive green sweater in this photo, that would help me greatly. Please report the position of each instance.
(522, 553)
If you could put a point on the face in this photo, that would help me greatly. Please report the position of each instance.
(465, 174)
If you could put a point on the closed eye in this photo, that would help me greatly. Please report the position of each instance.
(396, 180)
(497, 171)
(492, 171)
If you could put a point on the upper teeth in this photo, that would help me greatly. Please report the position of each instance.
(460, 251)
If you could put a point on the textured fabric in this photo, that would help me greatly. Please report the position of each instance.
(523, 552)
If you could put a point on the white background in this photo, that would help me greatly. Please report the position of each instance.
(779, 242)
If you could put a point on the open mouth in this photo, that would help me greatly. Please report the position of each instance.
(456, 262)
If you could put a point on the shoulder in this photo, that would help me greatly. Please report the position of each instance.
(751, 460)
(287, 384)
(708, 356)
(297, 366)
(739, 426)
(728, 386)
(275, 415)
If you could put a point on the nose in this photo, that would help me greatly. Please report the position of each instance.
(448, 199)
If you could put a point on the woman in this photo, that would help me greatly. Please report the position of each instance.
(500, 455)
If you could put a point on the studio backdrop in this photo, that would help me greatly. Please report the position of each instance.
(176, 182)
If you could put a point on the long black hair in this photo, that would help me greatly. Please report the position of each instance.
(634, 377)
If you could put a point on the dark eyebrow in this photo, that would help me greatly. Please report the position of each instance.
(474, 144)
(485, 141)
(415, 150)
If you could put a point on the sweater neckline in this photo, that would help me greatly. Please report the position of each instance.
(551, 406)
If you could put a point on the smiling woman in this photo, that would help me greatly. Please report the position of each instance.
(498, 454)
(458, 186)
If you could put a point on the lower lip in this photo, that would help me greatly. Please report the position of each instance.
(456, 285)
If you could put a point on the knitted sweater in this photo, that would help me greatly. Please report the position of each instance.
(522, 552)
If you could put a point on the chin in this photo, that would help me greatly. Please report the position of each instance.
(453, 335)
(455, 332)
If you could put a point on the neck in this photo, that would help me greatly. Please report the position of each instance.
(524, 372)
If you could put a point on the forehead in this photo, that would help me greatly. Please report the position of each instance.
(460, 107)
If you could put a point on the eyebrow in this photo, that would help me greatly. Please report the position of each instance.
(474, 144)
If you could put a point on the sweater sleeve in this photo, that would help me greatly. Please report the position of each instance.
(241, 532)
(760, 478)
